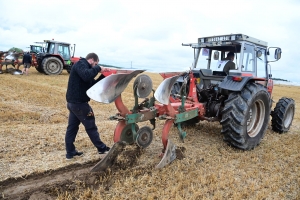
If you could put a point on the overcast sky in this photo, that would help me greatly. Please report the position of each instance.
(148, 34)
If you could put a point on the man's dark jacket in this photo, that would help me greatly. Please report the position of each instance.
(81, 79)
(26, 58)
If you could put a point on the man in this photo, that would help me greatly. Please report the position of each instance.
(229, 62)
(26, 62)
(81, 79)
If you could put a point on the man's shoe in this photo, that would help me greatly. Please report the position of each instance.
(105, 151)
(78, 153)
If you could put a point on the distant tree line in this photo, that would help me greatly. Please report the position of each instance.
(280, 79)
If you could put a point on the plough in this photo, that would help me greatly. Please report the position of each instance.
(10, 58)
(110, 90)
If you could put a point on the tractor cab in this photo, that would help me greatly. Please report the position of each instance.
(250, 54)
(250, 59)
(58, 48)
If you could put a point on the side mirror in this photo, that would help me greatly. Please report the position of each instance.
(216, 55)
(258, 54)
(277, 53)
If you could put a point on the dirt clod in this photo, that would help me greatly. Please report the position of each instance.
(180, 153)
(128, 157)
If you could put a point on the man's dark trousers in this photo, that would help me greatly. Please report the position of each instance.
(81, 112)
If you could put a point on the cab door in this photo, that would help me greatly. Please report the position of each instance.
(64, 51)
(261, 63)
(248, 60)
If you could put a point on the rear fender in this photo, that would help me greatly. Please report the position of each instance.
(229, 84)
(74, 59)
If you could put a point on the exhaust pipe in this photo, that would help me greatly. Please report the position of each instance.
(74, 51)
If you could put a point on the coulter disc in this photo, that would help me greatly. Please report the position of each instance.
(144, 85)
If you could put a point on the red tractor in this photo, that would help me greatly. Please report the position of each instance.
(241, 100)
(55, 57)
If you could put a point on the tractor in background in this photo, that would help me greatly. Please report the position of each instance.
(55, 57)
(49, 57)
(36, 48)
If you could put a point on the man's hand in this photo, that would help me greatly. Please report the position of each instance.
(104, 69)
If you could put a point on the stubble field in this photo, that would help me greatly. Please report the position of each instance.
(34, 117)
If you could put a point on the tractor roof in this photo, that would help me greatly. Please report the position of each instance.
(39, 42)
(53, 41)
(230, 38)
(33, 45)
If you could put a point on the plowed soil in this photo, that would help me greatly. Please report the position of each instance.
(34, 117)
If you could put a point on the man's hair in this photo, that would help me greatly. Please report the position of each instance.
(93, 56)
(230, 54)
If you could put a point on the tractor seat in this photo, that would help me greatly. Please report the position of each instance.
(208, 77)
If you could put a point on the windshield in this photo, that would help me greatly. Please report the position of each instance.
(208, 58)
(36, 49)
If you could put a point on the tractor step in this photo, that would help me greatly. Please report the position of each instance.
(110, 157)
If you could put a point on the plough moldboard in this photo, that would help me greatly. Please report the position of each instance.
(173, 111)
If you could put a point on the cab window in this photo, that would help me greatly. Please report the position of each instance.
(261, 63)
(248, 59)
(64, 51)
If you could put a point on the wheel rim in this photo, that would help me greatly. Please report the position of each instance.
(256, 118)
(127, 134)
(53, 67)
(288, 117)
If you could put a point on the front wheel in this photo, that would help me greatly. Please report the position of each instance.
(245, 116)
(283, 115)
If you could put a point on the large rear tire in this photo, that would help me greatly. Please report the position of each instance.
(52, 66)
(245, 116)
(39, 69)
(283, 115)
